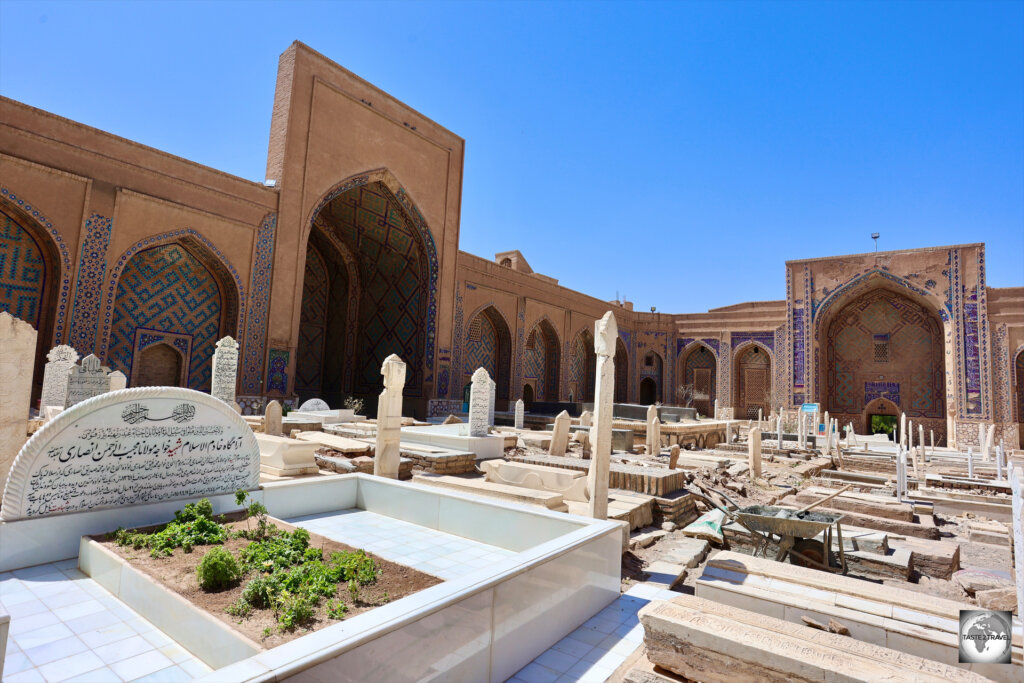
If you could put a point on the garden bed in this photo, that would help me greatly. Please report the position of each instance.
(380, 581)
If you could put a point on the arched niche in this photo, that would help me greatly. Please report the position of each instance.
(159, 365)
(651, 367)
(752, 381)
(582, 366)
(698, 375)
(488, 345)
(541, 361)
(621, 372)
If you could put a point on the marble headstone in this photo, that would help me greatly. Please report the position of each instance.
(17, 361)
(272, 417)
(225, 370)
(86, 380)
(479, 403)
(314, 405)
(606, 334)
(59, 360)
(117, 381)
(134, 447)
(387, 443)
(520, 413)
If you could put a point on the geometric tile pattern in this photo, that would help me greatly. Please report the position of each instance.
(394, 272)
(582, 367)
(254, 346)
(64, 276)
(92, 268)
(753, 382)
(487, 343)
(167, 288)
(700, 357)
(22, 272)
(277, 370)
(405, 225)
(540, 362)
(884, 335)
(309, 363)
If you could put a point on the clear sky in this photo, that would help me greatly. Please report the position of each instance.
(675, 153)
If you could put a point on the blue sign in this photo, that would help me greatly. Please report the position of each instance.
(810, 408)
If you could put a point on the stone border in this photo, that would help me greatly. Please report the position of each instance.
(16, 485)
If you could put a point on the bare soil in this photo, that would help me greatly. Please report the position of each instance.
(178, 573)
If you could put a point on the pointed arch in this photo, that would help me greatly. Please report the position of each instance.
(582, 366)
(176, 286)
(698, 372)
(380, 223)
(541, 360)
(621, 372)
(752, 379)
(488, 345)
(652, 367)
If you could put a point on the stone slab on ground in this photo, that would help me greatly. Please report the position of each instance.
(480, 487)
(654, 481)
(688, 552)
(858, 502)
(998, 599)
(923, 526)
(714, 643)
(664, 574)
(938, 559)
(647, 539)
(341, 444)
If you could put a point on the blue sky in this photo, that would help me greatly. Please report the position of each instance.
(675, 153)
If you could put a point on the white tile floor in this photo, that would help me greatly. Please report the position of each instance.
(445, 556)
(595, 650)
(66, 627)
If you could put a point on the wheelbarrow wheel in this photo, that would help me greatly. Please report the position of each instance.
(808, 549)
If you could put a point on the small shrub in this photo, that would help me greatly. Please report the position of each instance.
(218, 569)
(259, 592)
(194, 525)
(240, 608)
(353, 590)
(336, 609)
(296, 610)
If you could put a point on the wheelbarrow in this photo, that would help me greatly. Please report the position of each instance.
(793, 531)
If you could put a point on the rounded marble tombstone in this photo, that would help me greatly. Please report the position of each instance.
(314, 404)
(132, 447)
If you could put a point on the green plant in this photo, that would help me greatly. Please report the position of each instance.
(259, 511)
(336, 609)
(218, 569)
(266, 632)
(353, 590)
(296, 610)
(240, 608)
(194, 525)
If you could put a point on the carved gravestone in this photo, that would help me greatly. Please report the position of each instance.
(116, 381)
(520, 413)
(754, 452)
(86, 380)
(673, 456)
(272, 417)
(560, 434)
(59, 361)
(606, 334)
(1017, 510)
(314, 405)
(387, 447)
(225, 370)
(479, 403)
(134, 447)
(586, 418)
(490, 405)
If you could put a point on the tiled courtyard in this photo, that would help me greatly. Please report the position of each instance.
(434, 552)
(66, 627)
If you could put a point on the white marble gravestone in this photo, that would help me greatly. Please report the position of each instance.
(59, 360)
(116, 381)
(754, 452)
(132, 447)
(520, 413)
(606, 333)
(86, 380)
(490, 404)
(479, 403)
(560, 434)
(901, 475)
(1017, 509)
(387, 447)
(17, 361)
(272, 418)
(225, 370)
(314, 405)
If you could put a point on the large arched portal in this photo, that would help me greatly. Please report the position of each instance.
(698, 375)
(367, 292)
(29, 281)
(178, 294)
(582, 367)
(752, 382)
(884, 345)
(488, 345)
(540, 362)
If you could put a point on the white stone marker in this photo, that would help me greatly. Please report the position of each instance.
(479, 402)
(652, 415)
(754, 452)
(901, 475)
(981, 442)
(931, 433)
(780, 430)
(225, 370)
(760, 416)
(728, 431)
(520, 413)
(272, 419)
(654, 437)
(606, 333)
(560, 434)
(1017, 508)
(387, 452)
(999, 462)
(716, 408)
(970, 463)
(491, 402)
(17, 361)
(586, 419)
(138, 446)
(989, 442)
(59, 360)
(903, 429)
(116, 381)
(673, 456)
(314, 405)
(86, 380)
(910, 436)
(920, 438)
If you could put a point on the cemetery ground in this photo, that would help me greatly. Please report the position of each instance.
(285, 581)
